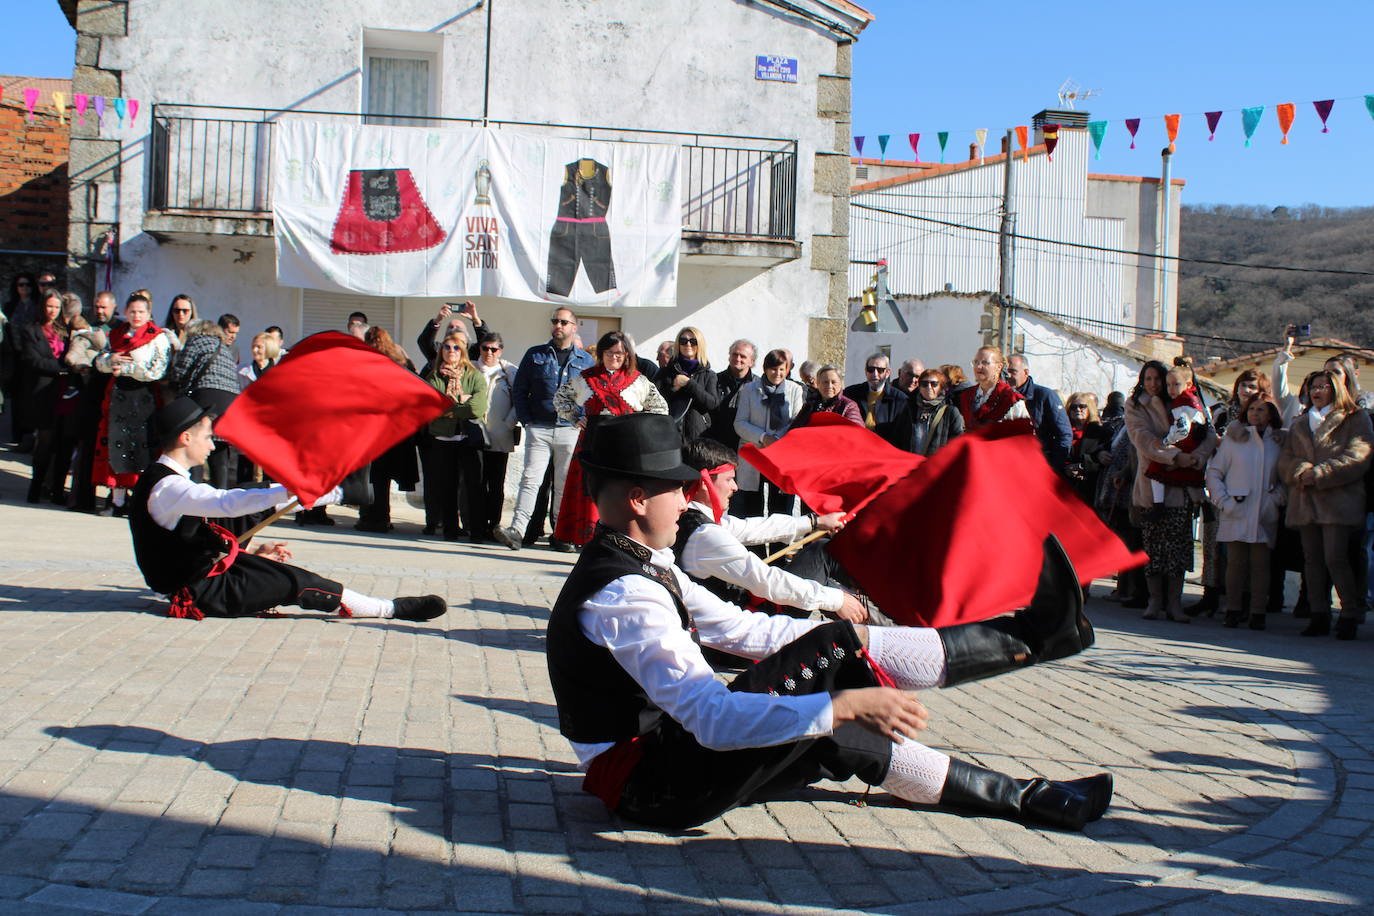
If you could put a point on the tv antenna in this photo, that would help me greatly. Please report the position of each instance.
(1071, 92)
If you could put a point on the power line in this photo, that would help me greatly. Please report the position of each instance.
(1138, 254)
(1137, 327)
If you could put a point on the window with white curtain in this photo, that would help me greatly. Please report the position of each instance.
(399, 83)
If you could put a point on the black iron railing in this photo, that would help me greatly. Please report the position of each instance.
(208, 160)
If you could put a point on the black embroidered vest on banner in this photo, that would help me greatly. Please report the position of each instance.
(688, 525)
(597, 700)
(169, 559)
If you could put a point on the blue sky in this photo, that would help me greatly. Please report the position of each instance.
(927, 67)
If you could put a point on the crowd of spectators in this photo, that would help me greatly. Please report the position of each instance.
(1273, 479)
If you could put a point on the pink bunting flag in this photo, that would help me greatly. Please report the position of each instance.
(915, 141)
(100, 109)
(1213, 119)
(30, 100)
(133, 110)
(81, 100)
(1132, 125)
(1324, 111)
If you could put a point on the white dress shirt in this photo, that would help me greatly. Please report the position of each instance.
(635, 618)
(719, 551)
(176, 496)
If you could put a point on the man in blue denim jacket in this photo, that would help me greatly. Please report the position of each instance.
(543, 370)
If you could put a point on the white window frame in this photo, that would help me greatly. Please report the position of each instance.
(396, 44)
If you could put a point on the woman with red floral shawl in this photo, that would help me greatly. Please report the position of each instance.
(613, 387)
(137, 355)
(990, 400)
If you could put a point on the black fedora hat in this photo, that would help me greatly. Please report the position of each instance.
(637, 445)
(174, 417)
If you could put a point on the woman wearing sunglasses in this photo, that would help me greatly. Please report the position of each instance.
(934, 420)
(689, 385)
(454, 458)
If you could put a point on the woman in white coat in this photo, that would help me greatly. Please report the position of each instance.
(1243, 483)
(500, 423)
(767, 407)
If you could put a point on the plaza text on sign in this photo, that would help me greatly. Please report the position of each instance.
(778, 69)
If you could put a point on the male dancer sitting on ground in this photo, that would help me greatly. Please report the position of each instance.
(184, 557)
(711, 546)
(666, 744)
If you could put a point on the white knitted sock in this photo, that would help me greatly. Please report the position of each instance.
(913, 656)
(360, 605)
(916, 773)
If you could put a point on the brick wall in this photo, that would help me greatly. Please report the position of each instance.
(33, 179)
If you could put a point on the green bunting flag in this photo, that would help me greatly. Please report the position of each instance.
(943, 137)
(1097, 130)
(1249, 120)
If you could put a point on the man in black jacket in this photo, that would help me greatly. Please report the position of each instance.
(1052, 426)
(886, 410)
(729, 381)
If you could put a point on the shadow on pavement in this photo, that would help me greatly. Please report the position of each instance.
(93, 599)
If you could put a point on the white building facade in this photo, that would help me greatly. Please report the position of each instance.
(936, 226)
(185, 186)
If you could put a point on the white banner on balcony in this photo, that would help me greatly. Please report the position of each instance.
(415, 211)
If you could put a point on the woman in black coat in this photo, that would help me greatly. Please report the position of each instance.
(1092, 445)
(934, 419)
(46, 399)
(689, 385)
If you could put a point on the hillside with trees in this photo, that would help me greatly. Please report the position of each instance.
(1256, 305)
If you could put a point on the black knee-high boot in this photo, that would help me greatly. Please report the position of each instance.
(1052, 626)
(1034, 802)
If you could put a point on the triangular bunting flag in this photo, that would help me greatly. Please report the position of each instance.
(1249, 120)
(81, 100)
(59, 101)
(30, 100)
(1097, 130)
(915, 141)
(121, 107)
(859, 144)
(1023, 140)
(1285, 111)
(133, 110)
(943, 138)
(1213, 119)
(981, 136)
(882, 145)
(1132, 125)
(100, 110)
(1051, 135)
(1171, 127)
(1324, 111)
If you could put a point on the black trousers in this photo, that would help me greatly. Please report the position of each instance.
(453, 479)
(678, 783)
(493, 491)
(588, 244)
(254, 584)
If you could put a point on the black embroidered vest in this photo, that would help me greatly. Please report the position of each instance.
(687, 525)
(169, 559)
(597, 699)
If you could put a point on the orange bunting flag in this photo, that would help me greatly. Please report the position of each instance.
(1023, 140)
(1171, 125)
(1285, 111)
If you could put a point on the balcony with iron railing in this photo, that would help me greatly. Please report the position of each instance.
(211, 174)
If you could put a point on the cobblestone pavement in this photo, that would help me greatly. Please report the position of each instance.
(310, 765)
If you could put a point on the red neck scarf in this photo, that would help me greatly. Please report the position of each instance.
(996, 406)
(125, 340)
(606, 390)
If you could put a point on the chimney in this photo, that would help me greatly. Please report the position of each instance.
(1004, 144)
(1061, 116)
(972, 152)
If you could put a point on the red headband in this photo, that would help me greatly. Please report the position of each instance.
(717, 507)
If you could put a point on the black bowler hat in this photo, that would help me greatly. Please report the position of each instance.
(174, 417)
(637, 445)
